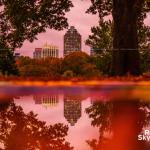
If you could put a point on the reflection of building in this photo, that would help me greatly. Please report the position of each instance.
(46, 51)
(72, 110)
(46, 101)
(72, 41)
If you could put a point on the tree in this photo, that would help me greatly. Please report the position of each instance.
(7, 62)
(47, 67)
(101, 42)
(79, 64)
(22, 20)
(111, 118)
(20, 131)
(145, 60)
(101, 38)
(127, 16)
(75, 62)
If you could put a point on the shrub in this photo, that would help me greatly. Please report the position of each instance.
(68, 74)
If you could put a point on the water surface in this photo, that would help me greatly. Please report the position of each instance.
(109, 117)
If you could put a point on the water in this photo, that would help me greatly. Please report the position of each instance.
(108, 116)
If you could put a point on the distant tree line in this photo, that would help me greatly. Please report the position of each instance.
(76, 64)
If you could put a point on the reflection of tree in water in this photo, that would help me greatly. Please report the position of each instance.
(119, 119)
(20, 131)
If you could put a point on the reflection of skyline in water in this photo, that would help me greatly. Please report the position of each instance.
(124, 118)
(72, 110)
(77, 134)
(46, 100)
(72, 107)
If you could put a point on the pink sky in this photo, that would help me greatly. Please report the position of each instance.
(76, 17)
(78, 134)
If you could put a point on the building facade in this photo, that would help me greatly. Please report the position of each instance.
(37, 53)
(47, 100)
(72, 110)
(46, 51)
(72, 41)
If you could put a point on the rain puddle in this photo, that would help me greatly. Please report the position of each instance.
(101, 117)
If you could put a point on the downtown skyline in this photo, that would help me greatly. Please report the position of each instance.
(76, 17)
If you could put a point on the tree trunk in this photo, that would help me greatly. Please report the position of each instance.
(126, 58)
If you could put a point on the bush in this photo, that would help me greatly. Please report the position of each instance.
(145, 60)
(75, 62)
(102, 62)
(33, 71)
(68, 74)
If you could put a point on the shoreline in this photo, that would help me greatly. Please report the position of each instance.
(68, 83)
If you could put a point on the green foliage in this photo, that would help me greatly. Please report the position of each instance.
(104, 39)
(22, 20)
(79, 64)
(101, 38)
(75, 62)
(68, 74)
(101, 42)
(103, 115)
(103, 61)
(33, 71)
(104, 8)
(7, 62)
(143, 36)
(49, 67)
(145, 60)
(21, 131)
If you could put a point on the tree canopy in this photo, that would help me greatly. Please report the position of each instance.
(22, 20)
(23, 131)
(128, 32)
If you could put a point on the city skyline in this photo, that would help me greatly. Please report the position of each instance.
(47, 50)
(82, 23)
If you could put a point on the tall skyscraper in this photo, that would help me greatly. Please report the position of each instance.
(46, 51)
(72, 41)
(72, 110)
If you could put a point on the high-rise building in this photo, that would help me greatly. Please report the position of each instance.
(47, 100)
(37, 53)
(46, 51)
(72, 110)
(72, 41)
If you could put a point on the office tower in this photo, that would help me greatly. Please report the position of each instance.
(72, 41)
(72, 110)
(46, 51)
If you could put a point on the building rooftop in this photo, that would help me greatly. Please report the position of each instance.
(49, 46)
